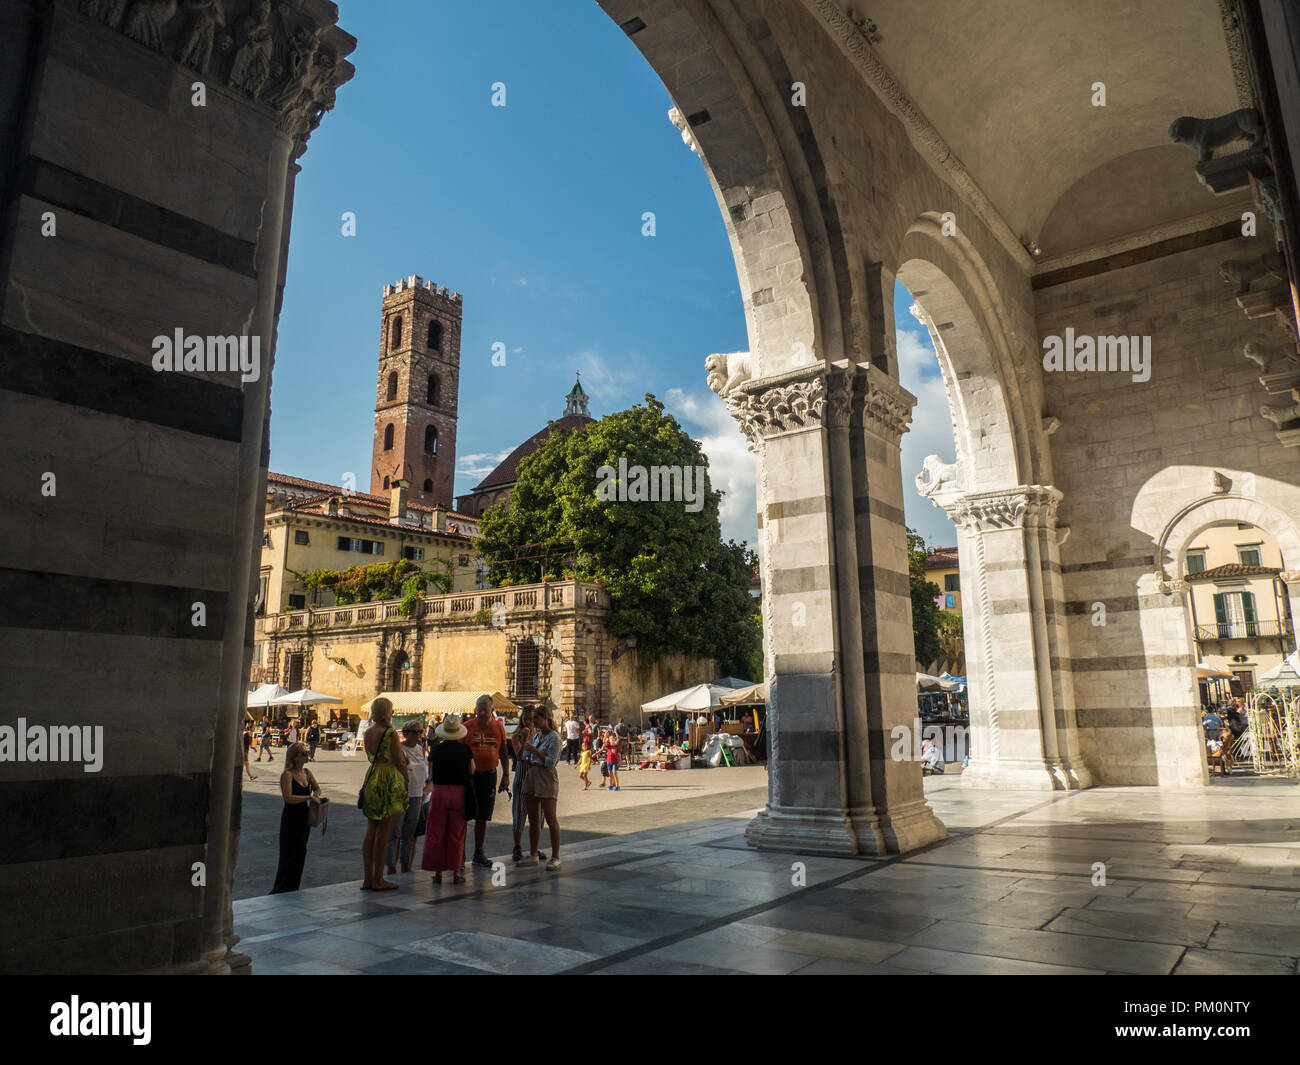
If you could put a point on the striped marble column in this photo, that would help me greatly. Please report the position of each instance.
(1023, 732)
(833, 619)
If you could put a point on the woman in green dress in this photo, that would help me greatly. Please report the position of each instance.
(383, 796)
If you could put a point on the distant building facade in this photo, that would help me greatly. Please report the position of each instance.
(1240, 611)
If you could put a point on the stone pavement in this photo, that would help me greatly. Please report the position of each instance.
(646, 800)
(1195, 881)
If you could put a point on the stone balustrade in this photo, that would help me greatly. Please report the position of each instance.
(455, 607)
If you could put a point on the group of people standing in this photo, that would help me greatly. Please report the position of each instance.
(460, 777)
(412, 789)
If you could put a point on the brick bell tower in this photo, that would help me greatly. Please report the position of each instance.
(415, 403)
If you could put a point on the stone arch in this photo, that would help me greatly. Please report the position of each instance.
(1190, 520)
(761, 159)
(963, 313)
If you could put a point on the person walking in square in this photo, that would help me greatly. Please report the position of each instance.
(541, 751)
(572, 737)
(402, 845)
(485, 736)
(383, 795)
(248, 743)
(313, 740)
(264, 742)
(298, 788)
(451, 773)
(518, 809)
(612, 747)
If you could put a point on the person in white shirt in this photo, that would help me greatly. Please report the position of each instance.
(931, 758)
(402, 841)
(572, 738)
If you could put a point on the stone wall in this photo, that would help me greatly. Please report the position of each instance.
(1131, 457)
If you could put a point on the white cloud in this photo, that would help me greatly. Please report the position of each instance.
(931, 433)
(611, 386)
(481, 464)
(731, 464)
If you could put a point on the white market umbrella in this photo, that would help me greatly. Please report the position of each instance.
(1205, 671)
(305, 697)
(1286, 674)
(265, 695)
(926, 682)
(697, 697)
(755, 693)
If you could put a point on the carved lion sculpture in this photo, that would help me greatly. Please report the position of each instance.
(941, 475)
(1279, 416)
(1245, 272)
(1206, 134)
(728, 372)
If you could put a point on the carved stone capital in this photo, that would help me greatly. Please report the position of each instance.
(773, 406)
(840, 395)
(1026, 506)
(273, 51)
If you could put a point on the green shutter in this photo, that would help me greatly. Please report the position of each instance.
(1248, 607)
(1221, 614)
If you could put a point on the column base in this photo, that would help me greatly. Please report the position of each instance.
(1026, 774)
(856, 833)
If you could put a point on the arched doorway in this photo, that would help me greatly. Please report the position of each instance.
(1000, 497)
(399, 672)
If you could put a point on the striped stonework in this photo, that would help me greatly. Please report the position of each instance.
(837, 613)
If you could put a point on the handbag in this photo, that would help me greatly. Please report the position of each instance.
(318, 814)
(361, 795)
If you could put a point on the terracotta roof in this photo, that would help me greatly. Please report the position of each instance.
(508, 471)
(941, 558)
(337, 490)
(1233, 569)
(321, 512)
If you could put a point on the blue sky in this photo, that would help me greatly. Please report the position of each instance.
(533, 212)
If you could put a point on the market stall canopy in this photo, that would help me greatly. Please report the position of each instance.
(959, 681)
(1205, 671)
(265, 695)
(1286, 674)
(755, 693)
(928, 683)
(696, 697)
(305, 697)
(439, 703)
(733, 682)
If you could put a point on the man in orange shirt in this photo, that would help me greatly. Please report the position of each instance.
(486, 737)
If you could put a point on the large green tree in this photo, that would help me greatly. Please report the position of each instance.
(926, 619)
(675, 585)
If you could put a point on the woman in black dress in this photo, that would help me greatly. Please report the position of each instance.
(299, 788)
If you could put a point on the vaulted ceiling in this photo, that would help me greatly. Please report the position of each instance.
(1009, 85)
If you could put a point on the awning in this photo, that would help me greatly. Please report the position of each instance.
(928, 683)
(265, 695)
(755, 693)
(1286, 674)
(305, 697)
(1205, 671)
(439, 703)
(696, 697)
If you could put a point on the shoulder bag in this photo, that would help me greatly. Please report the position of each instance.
(361, 795)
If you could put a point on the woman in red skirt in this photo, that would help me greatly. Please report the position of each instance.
(450, 769)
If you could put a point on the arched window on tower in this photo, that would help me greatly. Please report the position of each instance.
(388, 438)
(395, 334)
(433, 390)
(430, 440)
(435, 335)
(385, 483)
(428, 484)
(392, 386)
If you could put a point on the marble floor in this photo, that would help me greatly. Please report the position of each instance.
(1120, 880)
